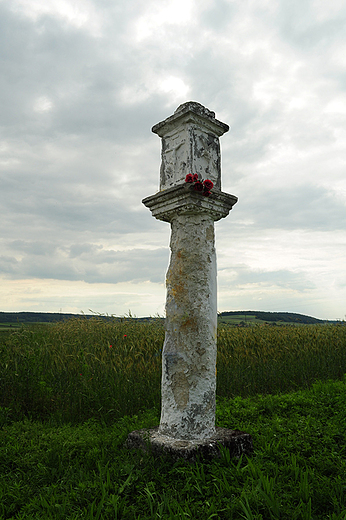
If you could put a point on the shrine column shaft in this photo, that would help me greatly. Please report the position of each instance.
(190, 139)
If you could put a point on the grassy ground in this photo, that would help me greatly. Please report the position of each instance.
(8, 327)
(89, 368)
(71, 392)
(297, 472)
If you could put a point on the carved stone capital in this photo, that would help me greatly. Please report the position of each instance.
(190, 144)
(184, 200)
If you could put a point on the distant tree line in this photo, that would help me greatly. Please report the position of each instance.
(36, 317)
(287, 317)
(51, 317)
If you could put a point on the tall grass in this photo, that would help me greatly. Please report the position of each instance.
(85, 368)
(82, 368)
(268, 359)
(71, 472)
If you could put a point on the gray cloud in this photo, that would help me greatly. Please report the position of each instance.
(242, 276)
(78, 98)
(84, 262)
(8, 265)
(293, 207)
(302, 25)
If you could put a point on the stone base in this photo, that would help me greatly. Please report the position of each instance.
(235, 441)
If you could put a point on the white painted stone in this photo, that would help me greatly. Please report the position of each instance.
(183, 200)
(189, 352)
(190, 144)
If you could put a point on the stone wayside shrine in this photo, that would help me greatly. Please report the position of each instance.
(190, 198)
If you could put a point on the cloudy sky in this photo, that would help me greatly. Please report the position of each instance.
(83, 81)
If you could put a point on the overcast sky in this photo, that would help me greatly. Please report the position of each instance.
(81, 84)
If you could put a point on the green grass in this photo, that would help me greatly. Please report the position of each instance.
(71, 392)
(9, 326)
(91, 368)
(6, 328)
(297, 471)
(239, 319)
(264, 359)
(81, 369)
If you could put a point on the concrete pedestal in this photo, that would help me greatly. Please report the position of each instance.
(151, 440)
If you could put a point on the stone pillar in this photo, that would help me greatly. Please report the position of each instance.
(189, 352)
(190, 145)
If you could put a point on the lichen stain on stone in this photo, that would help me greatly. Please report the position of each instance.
(210, 233)
(171, 359)
(179, 290)
(180, 389)
(209, 400)
(189, 325)
(199, 349)
(176, 277)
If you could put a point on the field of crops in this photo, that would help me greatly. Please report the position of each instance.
(71, 392)
(79, 369)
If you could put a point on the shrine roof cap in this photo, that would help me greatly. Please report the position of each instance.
(193, 108)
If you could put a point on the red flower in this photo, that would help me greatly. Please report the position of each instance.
(189, 178)
(206, 193)
(208, 184)
(195, 177)
(198, 186)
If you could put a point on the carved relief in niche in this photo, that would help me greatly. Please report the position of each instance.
(174, 160)
(206, 155)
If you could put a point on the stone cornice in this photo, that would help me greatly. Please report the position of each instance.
(183, 199)
(191, 112)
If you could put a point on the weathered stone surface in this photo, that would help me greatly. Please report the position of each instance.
(235, 441)
(189, 351)
(190, 144)
(182, 199)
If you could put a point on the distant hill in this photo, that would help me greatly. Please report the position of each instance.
(33, 317)
(270, 317)
(229, 317)
(47, 317)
